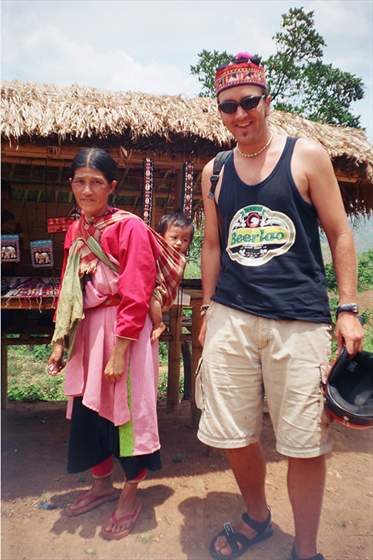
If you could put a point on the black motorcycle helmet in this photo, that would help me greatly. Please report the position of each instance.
(349, 390)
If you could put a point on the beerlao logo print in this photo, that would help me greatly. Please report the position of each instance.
(257, 234)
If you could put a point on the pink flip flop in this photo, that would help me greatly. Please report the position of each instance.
(90, 502)
(129, 519)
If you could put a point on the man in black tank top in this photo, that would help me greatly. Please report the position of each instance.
(266, 315)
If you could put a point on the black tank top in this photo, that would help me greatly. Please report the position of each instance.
(271, 264)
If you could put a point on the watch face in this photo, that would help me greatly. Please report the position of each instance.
(348, 307)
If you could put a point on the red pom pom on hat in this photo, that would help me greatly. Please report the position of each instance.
(243, 55)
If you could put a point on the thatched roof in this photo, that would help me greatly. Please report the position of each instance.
(42, 113)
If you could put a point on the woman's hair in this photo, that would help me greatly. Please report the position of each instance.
(176, 219)
(95, 158)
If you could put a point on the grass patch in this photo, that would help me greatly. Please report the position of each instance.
(28, 379)
(27, 376)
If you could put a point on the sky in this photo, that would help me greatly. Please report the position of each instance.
(149, 45)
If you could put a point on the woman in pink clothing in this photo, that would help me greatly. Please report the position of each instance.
(109, 275)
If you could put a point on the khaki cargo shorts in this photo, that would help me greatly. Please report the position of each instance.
(245, 357)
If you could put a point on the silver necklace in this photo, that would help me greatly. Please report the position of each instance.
(254, 154)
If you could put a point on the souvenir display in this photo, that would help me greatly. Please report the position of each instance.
(42, 253)
(148, 191)
(187, 194)
(56, 225)
(10, 249)
(19, 292)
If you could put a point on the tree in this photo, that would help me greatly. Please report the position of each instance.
(205, 69)
(299, 80)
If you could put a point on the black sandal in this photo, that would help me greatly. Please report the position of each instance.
(294, 556)
(235, 538)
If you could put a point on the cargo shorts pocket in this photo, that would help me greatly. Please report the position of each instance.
(324, 370)
(198, 386)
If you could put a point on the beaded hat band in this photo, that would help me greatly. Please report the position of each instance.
(244, 69)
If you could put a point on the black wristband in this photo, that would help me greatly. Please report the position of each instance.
(347, 308)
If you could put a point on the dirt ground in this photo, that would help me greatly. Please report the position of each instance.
(185, 504)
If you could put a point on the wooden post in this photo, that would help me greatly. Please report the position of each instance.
(196, 354)
(174, 353)
(179, 189)
(187, 362)
(4, 374)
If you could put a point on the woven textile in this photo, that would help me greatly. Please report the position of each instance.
(148, 191)
(188, 189)
(84, 257)
(84, 230)
(244, 69)
(170, 269)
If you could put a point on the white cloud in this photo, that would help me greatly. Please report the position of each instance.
(66, 61)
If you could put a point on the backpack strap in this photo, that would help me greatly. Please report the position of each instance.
(219, 161)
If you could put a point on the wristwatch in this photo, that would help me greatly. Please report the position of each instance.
(347, 308)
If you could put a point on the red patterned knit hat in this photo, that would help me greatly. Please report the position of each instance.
(244, 69)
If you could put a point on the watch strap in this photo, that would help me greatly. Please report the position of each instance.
(347, 308)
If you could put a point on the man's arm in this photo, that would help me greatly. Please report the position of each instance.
(210, 256)
(325, 195)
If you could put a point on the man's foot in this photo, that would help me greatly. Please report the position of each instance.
(90, 500)
(231, 542)
(294, 556)
(120, 526)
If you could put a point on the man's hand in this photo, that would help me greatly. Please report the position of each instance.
(202, 332)
(115, 367)
(349, 332)
(55, 361)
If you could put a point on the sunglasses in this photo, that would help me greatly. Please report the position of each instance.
(247, 103)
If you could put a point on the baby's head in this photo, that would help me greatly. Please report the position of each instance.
(177, 230)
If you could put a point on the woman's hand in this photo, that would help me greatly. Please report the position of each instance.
(157, 331)
(55, 361)
(115, 367)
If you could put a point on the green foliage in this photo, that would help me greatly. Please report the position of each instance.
(208, 62)
(328, 93)
(298, 45)
(196, 245)
(24, 393)
(368, 339)
(41, 352)
(163, 353)
(364, 273)
(365, 270)
(299, 81)
(193, 269)
(162, 386)
(331, 280)
(27, 376)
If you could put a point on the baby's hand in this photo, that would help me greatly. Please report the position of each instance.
(157, 331)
